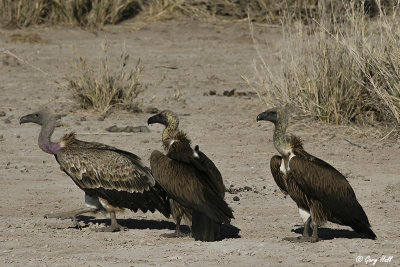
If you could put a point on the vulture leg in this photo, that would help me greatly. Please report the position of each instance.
(307, 229)
(177, 232)
(314, 238)
(114, 227)
(306, 235)
(71, 215)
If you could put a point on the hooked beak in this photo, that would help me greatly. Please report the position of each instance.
(261, 116)
(26, 119)
(158, 118)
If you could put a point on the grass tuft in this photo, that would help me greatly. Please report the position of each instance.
(339, 72)
(105, 88)
(24, 13)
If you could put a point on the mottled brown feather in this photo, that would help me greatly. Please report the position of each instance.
(68, 139)
(180, 212)
(95, 168)
(115, 175)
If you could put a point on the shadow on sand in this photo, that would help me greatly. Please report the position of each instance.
(329, 234)
(227, 231)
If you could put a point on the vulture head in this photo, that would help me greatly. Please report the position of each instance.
(40, 117)
(166, 118)
(274, 115)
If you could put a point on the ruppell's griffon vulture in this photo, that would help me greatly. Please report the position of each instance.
(190, 179)
(112, 179)
(320, 191)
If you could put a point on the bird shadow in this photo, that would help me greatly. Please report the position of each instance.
(133, 223)
(227, 231)
(329, 234)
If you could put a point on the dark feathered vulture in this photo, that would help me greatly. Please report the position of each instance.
(190, 179)
(112, 179)
(321, 192)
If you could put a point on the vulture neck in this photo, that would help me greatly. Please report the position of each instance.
(280, 142)
(44, 138)
(169, 130)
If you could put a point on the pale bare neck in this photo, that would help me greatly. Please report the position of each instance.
(169, 130)
(280, 141)
(44, 138)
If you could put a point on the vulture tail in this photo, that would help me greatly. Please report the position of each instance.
(364, 228)
(204, 228)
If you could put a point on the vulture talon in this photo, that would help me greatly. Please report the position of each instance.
(71, 215)
(111, 228)
(175, 235)
(301, 239)
(114, 227)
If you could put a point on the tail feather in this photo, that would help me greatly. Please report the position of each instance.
(364, 228)
(204, 228)
(152, 200)
(218, 209)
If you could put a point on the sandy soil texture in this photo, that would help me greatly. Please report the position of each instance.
(183, 61)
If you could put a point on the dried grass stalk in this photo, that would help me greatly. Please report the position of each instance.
(105, 88)
(338, 71)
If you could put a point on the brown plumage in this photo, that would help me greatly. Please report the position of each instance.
(191, 179)
(320, 191)
(112, 179)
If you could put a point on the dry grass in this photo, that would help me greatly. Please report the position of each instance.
(104, 89)
(341, 72)
(24, 13)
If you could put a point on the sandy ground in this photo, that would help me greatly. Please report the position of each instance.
(182, 60)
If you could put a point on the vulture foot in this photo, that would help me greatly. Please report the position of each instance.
(302, 239)
(175, 235)
(111, 228)
(70, 215)
(114, 227)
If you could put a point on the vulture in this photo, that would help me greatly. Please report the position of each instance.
(320, 191)
(191, 180)
(112, 179)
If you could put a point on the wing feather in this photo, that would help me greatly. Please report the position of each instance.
(101, 168)
(324, 183)
(275, 165)
(183, 183)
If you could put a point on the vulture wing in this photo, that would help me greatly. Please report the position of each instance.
(118, 176)
(189, 185)
(275, 165)
(213, 177)
(322, 182)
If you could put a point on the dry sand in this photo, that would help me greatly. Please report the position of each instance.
(182, 60)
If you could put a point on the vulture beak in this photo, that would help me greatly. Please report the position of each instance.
(159, 118)
(261, 116)
(27, 118)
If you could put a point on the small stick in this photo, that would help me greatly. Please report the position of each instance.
(383, 138)
(109, 133)
(8, 52)
(354, 144)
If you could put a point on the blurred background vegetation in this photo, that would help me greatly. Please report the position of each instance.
(340, 58)
(24, 13)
